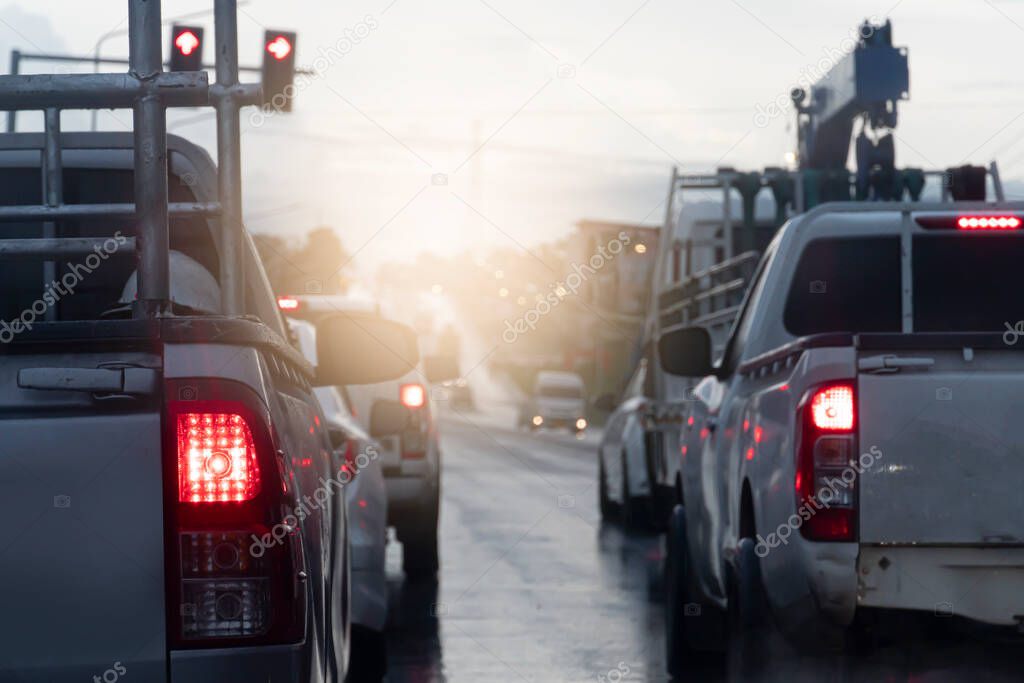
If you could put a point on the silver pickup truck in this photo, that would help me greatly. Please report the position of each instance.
(854, 457)
(169, 493)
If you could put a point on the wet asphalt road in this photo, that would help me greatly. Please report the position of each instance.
(534, 588)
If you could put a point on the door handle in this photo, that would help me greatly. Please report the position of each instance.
(881, 364)
(122, 380)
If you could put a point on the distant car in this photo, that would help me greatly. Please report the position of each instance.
(558, 400)
(458, 394)
(398, 414)
(411, 462)
(624, 466)
(366, 503)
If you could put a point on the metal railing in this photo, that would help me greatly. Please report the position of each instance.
(148, 91)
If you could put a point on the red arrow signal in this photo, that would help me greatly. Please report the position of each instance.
(186, 42)
(280, 47)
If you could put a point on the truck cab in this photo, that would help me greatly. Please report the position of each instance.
(851, 453)
(169, 477)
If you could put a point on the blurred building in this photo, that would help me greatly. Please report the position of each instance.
(616, 261)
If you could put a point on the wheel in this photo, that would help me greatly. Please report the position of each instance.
(636, 510)
(662, 498)
(686, 620)
(750, 625)
(368, 661)
(608, 508)
(419, 542)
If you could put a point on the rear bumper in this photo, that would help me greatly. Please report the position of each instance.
(981, 584)
(277, 663)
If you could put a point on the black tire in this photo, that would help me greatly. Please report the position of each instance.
(636, 510)
(420, 555)
(368, 659)
(751, 632)
(609, 509)
(684, 617)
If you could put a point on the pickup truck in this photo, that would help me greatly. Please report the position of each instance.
(852, 459)
(165, 478)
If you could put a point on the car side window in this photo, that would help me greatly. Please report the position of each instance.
(741, 329)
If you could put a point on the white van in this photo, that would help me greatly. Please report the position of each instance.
(558, 400)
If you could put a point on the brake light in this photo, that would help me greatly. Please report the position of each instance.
(234, 552)
(969, 221)
(413, 395)
(287, 303)
(987, 222)
(832, 408)
(216, 458)
(825, 479)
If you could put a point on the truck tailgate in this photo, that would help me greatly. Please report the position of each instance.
(82, 562)
(951, 438)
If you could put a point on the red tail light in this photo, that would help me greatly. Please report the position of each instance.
(825, 475)
(832, 408)
(216, 458)
(233, 564)
(413, 395)
(287, 303)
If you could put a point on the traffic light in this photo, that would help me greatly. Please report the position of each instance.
(186, 48)
(278, 69)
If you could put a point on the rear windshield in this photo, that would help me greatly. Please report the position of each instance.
(89, 287)
(846, 285)
(557, 391)
(967, 282)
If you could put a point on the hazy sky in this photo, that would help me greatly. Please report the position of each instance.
(542, 113)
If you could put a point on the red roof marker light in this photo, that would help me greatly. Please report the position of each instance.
(988, 222)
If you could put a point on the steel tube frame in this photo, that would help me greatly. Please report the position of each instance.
(148, 91)
(19, 249)
(53, 191)
(229, 158)
(18, 214)
(101, 91)
(150, 131)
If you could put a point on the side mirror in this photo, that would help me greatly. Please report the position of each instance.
(686, 352)
(338, 437)
(440, 368)
(605, 403)
(363, 348)
(388, 417)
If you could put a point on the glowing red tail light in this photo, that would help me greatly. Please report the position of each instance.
(832, 408)
(287, 303)
(826, 481)
(216, 459)
(234, 558)
(987, 222)
(413, 395)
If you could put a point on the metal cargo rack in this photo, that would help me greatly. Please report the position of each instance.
(710, 298)
(148, 91)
